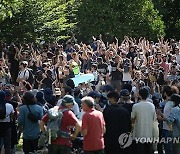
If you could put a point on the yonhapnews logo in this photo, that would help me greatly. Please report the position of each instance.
(125, 140)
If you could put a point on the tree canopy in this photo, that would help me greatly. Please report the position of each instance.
(120, 18)
(38, 20)
(170, 11)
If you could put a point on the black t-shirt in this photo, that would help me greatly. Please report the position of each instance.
(117, 121)
(34, 69)
(128, 106)
(47, 83)
(131, 55)
(71, 74)
(103, 68)
(115, 73)
(103, 57)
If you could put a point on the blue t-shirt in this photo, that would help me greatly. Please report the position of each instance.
(30, 130)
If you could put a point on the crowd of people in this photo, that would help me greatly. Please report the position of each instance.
(135, 90)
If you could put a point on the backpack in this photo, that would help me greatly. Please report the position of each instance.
(2, 110)
(54, 123)
(46, 107)
(31, 78)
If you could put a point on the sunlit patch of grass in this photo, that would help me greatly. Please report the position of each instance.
(20, 144)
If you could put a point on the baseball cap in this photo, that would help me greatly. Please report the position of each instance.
(156, 96)
(94, 94)
(108, 88)
(124, 92)
(68, 100)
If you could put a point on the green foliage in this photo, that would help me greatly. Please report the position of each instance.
(54, 19)
(170, 10)
(38, 20)
(8, 8)
(122, 17)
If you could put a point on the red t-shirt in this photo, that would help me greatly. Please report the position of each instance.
(93, 121)
(68, 120)
(165, 66)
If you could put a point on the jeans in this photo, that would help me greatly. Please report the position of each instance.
(58, 149)
(30, 145)
(160, 145)
(167, 146)
(94, 152)
(6, 138)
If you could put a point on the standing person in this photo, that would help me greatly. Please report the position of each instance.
(11, 55)
(69, 91)
(30, 128)
(125, 100)
(62, 145)
(97, 103)
(6, 116)
(102, 67)
(143, 116)
(157, 100)
(127, 68)
(9, 100)
(173, 75)
(118, 121)
(47, 81)
(61, 71)
(167, 127)
(164, 64)
(23, 73)
(177, 55)
(174, 118)
(93, 128)
(116, 73)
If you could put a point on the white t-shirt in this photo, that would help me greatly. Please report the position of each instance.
(9, 110)
(127, 76)
(145, 116)
(24, 73)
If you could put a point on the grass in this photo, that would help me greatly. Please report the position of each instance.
(20, 144)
